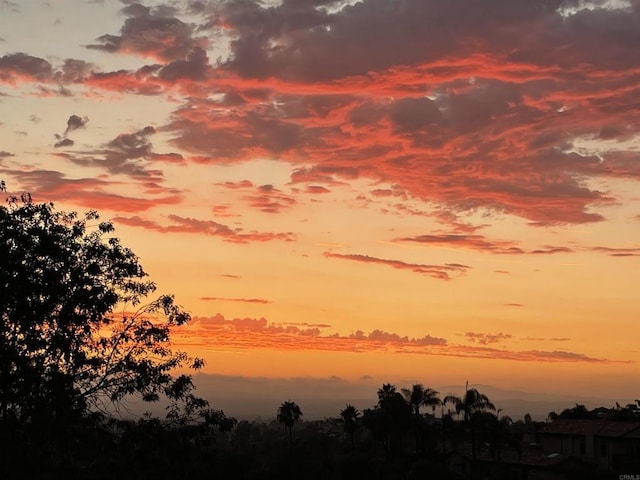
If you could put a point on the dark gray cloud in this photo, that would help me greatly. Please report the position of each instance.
(297, 40)
(128, 154)
(151, 32)
(15, 67)
(194, 67)
(20, 65)
(64, 142)
(75, 122)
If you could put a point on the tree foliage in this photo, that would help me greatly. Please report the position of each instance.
(77, 332)
(288, 414)
(349, 417)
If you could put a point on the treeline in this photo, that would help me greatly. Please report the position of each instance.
(394, 439)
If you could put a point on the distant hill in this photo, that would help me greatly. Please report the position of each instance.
(257, 397)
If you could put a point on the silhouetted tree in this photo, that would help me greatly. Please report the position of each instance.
(577, 412)
(349, 416)
(388, 420)
(472, 405)
(419, 396)
(64, 350)
(288, 414)
(386, 391)
(498, 432)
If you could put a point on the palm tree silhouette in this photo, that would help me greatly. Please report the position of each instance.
(419, 396)
(387, 391)
(392, 416)
(472, 405)
(288, 414)
(350, 415)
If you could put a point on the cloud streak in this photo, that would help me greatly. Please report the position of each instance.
(487, 338)
(241, 300)
(205, 227)
(441, 272)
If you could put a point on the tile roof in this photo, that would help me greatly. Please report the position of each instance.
(599, 428)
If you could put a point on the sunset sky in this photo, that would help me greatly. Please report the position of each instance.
(378, 190)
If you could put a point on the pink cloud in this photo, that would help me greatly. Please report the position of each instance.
(441, 272)
(206, 227)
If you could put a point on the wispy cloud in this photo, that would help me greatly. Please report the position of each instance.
(487, 338)
(205, 227)
(441, 272)
(482, 244)
(241, 300)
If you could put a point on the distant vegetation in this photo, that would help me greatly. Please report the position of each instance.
(79, 339)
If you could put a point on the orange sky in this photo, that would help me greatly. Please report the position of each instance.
(405, 191)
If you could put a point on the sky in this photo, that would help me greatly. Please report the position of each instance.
(372, 191)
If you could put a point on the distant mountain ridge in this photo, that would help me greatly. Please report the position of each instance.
(253, 397)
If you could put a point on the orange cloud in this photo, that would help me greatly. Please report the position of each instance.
(205, 227)
(269, 199)
(89, 192)
(242, 300)
(441, 272)
(480, 243)
(257, 333)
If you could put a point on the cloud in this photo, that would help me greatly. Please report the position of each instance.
(441, 272)
(63, 142)
(129, 154)
(317, 189)
(220, 333)
(487, 338)
(468, 124)
(269, 199)
(543, 339)
(560, 355)
(95, 193)
(193, 67)
(241, 300)
(549, 250)
(205, 227)
(259, 333)
(618, 252)
(151, 33)
(237, 185)
(8, 5)
(74, 123)
(482, 244)
(5, 154)
(463, 108)
(472, 242)
(16, 68)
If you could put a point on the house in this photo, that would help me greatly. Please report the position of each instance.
(611, 446)
(563, 449)
(527, 463)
